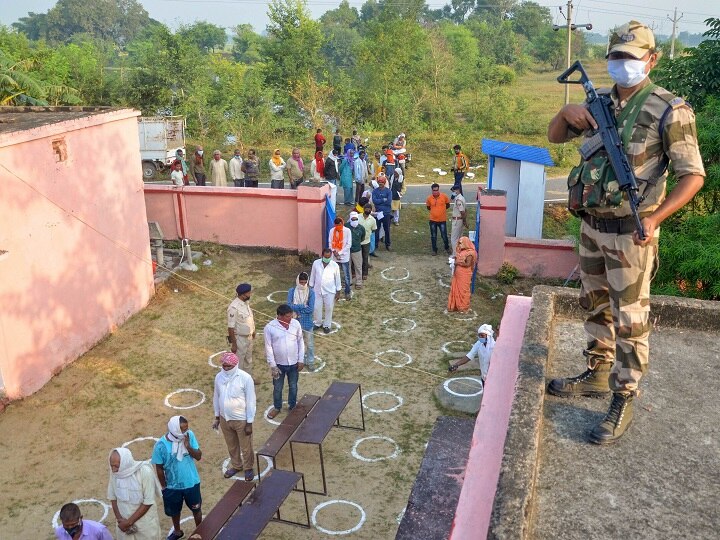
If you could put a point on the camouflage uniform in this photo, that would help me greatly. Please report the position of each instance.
(615, 273)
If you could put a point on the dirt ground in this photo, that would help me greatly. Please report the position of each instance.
(54, 444)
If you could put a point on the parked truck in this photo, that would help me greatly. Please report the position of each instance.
(160, 138)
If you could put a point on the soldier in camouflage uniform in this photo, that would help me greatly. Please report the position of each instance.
(616, 266)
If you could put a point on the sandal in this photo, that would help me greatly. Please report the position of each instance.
(249, 475)
(175, 535)
(230, 473)
(273, 413)
(452, 369)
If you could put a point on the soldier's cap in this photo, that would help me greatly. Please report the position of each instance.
(633, 38)
(243, 288)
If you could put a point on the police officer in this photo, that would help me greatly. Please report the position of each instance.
(616, 266)
(241, 327)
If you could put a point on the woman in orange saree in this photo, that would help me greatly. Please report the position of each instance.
(465, 261)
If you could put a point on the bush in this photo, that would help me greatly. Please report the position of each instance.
(507, 274)
(307, 257)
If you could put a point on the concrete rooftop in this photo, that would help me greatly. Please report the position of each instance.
(660, 480)
(22, 118)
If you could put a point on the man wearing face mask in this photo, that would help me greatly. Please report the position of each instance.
(459, 215)
(325, 281)
(236, 172)
(481, 351)
(234, 403)
(75, 527)
(358, 236)
(616, 266)
(367, 222)
(241, 327)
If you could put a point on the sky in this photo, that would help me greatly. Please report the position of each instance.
(603, 14)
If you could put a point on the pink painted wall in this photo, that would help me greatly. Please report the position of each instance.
(532, 257)
(472, 516)
(65, 284)
(257, 217)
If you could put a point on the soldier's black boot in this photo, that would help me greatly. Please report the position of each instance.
(616, 421)
(591, 383)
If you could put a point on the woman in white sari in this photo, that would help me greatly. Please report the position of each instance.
(132, 490)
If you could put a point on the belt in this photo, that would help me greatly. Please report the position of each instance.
(624, 225)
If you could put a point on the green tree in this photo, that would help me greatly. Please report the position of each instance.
(340, 30)
(247, 45)
(530, 19)
(115, 20)
(206, 36)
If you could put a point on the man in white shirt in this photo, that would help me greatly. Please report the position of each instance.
(285, 351)
(234, 403)
(482, 349)
(236, 172)
(325, 281)
(340, 241)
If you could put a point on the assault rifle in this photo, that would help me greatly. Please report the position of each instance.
(606, 135)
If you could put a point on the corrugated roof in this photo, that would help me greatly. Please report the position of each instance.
(517, 152)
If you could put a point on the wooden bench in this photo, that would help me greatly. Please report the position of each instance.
(264, 503)
(222, 511)
(285, 430)
(323, 417)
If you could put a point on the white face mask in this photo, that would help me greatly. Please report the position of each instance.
(353, 223)
(627, 73)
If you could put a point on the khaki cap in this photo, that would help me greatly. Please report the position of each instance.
(633, 38)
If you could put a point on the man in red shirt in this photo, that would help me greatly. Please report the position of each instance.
(319, 141)
(438, 203)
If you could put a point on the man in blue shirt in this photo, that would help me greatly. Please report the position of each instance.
(174, 458)
(301, 298)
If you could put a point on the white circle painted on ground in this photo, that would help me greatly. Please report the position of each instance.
(443, 284)
(389, 268)
(319, 366)
(126, 444)
(210, 359)
(334, 327)
(181, 390)
(414, 324)
(270, 421)
(183, 520)
(266, 470)
(418, 296)
(444, 347)
(270, 297)
(357, 455)
(477, 380)
(322, 505)
(467, 316)
(106, 509)
(382, 393)
(390, 351)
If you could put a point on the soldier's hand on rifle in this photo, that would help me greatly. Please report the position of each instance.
(649, 227)
(578, 117)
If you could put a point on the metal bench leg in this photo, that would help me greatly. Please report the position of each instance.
(322, 469)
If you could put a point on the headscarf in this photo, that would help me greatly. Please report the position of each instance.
(302, 292)
(176, 437)
(400, 176)
(355, 215)
(227, 374)
(486, 329)
(276, 158)
(337, 236)
(320, 163)
(126, 480)
(350, 159)
(465, 245)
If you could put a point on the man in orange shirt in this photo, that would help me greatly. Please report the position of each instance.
(438, 203)
(319, 141)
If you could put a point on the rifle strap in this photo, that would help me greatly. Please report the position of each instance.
(630, 113)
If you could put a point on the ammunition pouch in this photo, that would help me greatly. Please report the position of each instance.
(593, 184)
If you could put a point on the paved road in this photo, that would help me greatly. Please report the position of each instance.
(555, 190)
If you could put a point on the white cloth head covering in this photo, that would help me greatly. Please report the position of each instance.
(127, 481)
(177, 437)
(486, 329)
(301, 293)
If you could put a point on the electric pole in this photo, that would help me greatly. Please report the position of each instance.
(674, 20)
(570, 28)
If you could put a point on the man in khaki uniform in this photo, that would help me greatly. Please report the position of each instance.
(459, 216)
(616, 266)
(241, 327)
